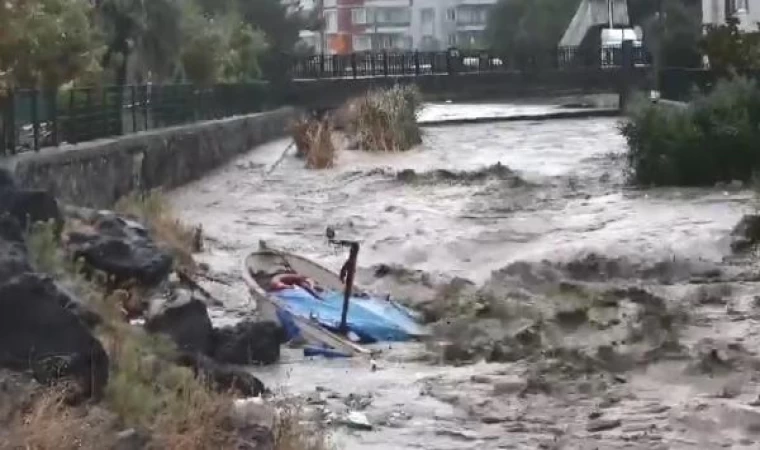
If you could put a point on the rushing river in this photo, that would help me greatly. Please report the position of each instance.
(480, 198)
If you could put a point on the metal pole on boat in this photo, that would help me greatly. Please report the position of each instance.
(350, 272)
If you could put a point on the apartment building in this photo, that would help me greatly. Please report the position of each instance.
(374, 25)
(747, 11)
(440, 24)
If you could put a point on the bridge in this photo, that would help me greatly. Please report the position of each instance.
(32, 119)
(327, 81)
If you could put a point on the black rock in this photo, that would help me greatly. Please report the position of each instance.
(746, 233)
(29, 206)
(6, 179)
(222, 377)
(14, 259)
(39, 335)
(185, 320)
(123, 249)
(71, 303)
(248, 343)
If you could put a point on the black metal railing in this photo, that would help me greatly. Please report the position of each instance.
(31, 119)
(417, 63)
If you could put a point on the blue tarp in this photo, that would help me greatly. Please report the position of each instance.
(370, 318)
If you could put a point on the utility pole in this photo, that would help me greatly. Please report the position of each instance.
(658, 49)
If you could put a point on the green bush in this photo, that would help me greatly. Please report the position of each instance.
(716, 138)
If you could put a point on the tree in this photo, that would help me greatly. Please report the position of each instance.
(203, 47)
(45, 43)
(245, 48)
(529, 29)
(150, 29)
(282, 31)
(674, 36)
(730, 51)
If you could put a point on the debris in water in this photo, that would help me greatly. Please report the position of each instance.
(603, 425)
(357, 421)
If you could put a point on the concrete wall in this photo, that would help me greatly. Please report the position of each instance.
(98, 173)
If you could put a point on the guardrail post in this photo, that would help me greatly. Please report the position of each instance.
(353, 64)
(626, 73)
(133, 106)
(36, 118)
(53, 104)
(416, 63)
(385, 63)
(321, 70)
(12, 114)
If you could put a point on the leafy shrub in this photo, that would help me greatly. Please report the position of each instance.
(730, 50)
(713, 139)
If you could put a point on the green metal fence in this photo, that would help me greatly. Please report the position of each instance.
(33, 119)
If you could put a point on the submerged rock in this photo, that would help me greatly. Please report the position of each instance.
(746, 233)
(122, 249)
(603, 425)
(183, 318)
(248, 343)
(38, 334)
(222, 377)
(496, 171)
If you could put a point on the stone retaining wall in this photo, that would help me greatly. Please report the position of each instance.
(96, 174)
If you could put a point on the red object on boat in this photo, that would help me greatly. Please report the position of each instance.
(288, 280)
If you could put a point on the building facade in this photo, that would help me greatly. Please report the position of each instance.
(715, 12)
(375, 25)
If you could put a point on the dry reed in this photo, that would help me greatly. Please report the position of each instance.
(386, 121)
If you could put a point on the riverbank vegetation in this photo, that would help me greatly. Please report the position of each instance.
(150, 400)
(380, 121)
(313, 139)
(386, 120)
(713, 139)
(153, 210)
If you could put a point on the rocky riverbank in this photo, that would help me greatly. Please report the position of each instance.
(106, 340)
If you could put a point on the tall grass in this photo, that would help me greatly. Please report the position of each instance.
(42, 245)
(153, 210)
(49, 424)
(714, 139)
(314, 141)
(386, 120)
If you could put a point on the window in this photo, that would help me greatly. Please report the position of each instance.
(427, 15)
(472, 15)
(451, 14)
(359, 16)
(392, 16)
(331, 21)
(452, 39)
(734, 6)
(362, 43)
(330, 4)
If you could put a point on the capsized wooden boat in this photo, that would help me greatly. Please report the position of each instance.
(316, 319)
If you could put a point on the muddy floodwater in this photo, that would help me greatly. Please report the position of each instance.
(531, 211)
